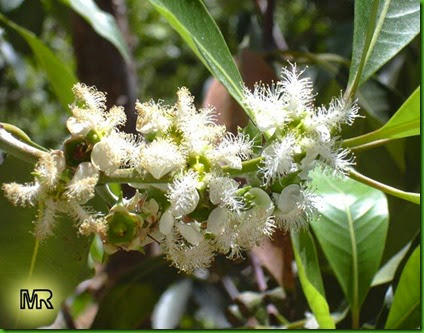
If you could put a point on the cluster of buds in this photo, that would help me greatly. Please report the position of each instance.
(183, 165)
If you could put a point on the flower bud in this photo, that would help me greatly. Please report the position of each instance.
(261, 199)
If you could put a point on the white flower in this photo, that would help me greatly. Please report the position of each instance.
(49, 169)
(223, 192)
(185, 104)
(235, 232)
(296, 205)
(113, 151)
(47, 172)
(254, 226)
(46, 191)
(161, 157)
(92, 115)
(278, 159)
(152, 117)
(22, 194)
(82, 185)
(339, 112)
(232, 150)
(94, 225)
(218, 220)
(223, 224)
(297, 92)
(183, 195)
(187, 257)
(78, 212)
(190, 232)
(338, 159)
(268, 104)
(329, 154)
(166, 222)
(276, 105)
(198, 128)
(46, 219)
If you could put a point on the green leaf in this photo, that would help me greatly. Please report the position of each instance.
(192, 21)
(310, 277)
(60, 265)
(380, 34)
(102, 22)
(351, 230)
(58, 73)
(405, 311)
(405, 122)
(386, 273)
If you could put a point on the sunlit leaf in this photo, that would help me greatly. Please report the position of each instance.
(351, 230)
(405, 122)
(395, 25)
(192, 21)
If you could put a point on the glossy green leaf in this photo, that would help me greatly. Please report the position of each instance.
(60, 265)
(192, 21)
(386, 273)
(405, 312)
(395, 24)
(102, 22)
(351, 230)
(310, 277)
(58, 73)
(405, 122)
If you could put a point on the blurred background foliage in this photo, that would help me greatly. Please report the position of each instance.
(263, 290)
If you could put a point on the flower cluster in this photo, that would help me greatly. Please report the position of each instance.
(303, 137)
(183, 165)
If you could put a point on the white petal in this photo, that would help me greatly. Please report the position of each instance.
(166, 223)
(78, 127)
(217, 220)
(85, 170)
(289, 198)
(190, 233)
(262, 199)
(100, 157)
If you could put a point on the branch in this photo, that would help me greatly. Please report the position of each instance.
(17, 148)
(409, 196)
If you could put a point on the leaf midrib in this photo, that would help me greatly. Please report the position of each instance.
(199, 45)
(355, 283)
